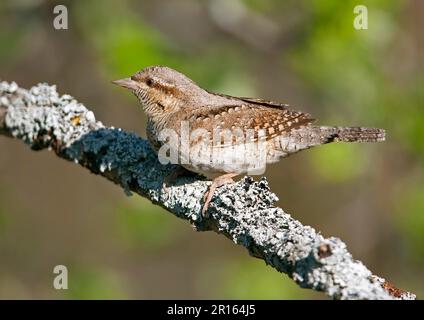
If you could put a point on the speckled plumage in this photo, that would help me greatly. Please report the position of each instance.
(170, 99)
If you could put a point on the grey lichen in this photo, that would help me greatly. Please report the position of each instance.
(56, 120)
(244, 211)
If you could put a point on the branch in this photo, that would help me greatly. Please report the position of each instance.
(243, 212)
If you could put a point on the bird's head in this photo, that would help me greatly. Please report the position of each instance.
(161, 90)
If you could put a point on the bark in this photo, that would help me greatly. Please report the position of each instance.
(244, 212)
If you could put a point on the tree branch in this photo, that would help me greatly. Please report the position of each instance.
(243, 212)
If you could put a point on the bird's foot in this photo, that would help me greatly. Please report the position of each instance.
(216, 183)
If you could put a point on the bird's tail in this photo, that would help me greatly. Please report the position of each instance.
(350, 134)
(311, 136)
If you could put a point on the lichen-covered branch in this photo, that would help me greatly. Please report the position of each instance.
(243, 212)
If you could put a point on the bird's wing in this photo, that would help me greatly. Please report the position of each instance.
(257, 101)
(256, 118)
(264, 102)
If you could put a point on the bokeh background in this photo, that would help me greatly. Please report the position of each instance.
(305, 53)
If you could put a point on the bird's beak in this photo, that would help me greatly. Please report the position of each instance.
(126, 83)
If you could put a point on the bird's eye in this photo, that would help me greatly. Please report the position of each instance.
(149, 82)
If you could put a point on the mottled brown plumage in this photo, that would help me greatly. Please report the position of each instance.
(170, 99)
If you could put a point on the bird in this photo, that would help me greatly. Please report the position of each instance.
(235, 135)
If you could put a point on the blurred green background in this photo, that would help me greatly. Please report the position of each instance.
(305, 53)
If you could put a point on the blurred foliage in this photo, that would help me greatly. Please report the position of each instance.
(124, 44)
(410, 219)
(13, 287)
(94, 283)
(407, 105)
(349, 73)
(349, 77)
(2, 215)
(121, 39)
(11, 38)
(265, 6)
(338, 61)
(338, 163)
(5, 218)
(143, 224)
(252, 279)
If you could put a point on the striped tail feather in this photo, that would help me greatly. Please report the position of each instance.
(351, 134)
(311, 136)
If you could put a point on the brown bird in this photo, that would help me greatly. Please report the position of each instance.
(227, 136)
